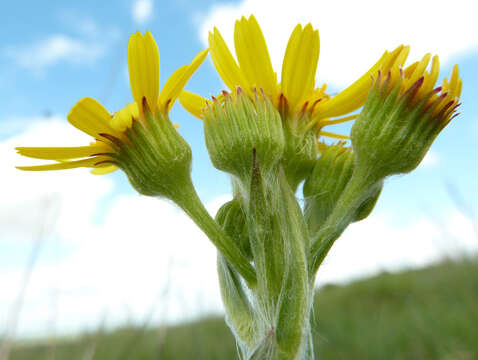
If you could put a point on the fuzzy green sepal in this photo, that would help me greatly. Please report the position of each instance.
(323, 188)
(238, 125)
(397, 127)
(155, 158)
(301, 149)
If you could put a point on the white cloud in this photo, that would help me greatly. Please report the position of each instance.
(355, 33)
(54, 49)
(140, 248)
(380, 244)
(142, 11)
(144, 251)
(25, 194)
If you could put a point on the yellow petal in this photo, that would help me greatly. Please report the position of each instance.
(300, 65)
(395, 62)
(193, 103)
(225, 64)
(103, 170)
(431, 77)
(354, 96)
(418, 71)
(62, 153)
(178, 81)
(143, 65)
(452, 87)
(124, 118)
(459, 87)
(91, 162)
(89, 116)
(395, 59)
(253, 56)
(410, 69)
(333, 135)
(337, 121)
(455, 87)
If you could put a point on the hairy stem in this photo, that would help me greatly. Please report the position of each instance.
(189, 201)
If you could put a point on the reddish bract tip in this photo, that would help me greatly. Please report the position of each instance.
(112, 139)
(314, 104)
(412, 90)
(102, 154)
(145, 106)
(111, 162)
(283, 104)
(304, 107)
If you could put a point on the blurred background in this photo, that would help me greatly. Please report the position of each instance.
(91, 270)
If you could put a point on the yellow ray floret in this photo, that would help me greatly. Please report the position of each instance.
(123, 119)
(297, 91)
(333, 135)
(354, 96)
(300, 65)
(63, 153)
(253, 56)
(89, 116)
(90, 162)
(178, 80)
(452, 87)
(92, 118)
(143, 65)
(420, 83)
(104, 170)
(224, 62)
(193, 103)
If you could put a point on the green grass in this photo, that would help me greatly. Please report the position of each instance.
(425, 314)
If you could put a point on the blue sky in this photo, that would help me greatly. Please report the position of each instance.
(51, 56)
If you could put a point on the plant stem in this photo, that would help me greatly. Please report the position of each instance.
(189, 201)
(358, 189)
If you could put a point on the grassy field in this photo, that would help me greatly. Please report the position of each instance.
(425, 314)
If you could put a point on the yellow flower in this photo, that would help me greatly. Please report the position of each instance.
(402, 116)
(297, 93)
(91, 117)
(416, 80)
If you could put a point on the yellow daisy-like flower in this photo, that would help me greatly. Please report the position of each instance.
(109, 130)
(297, 93)
(402, 116)
(418, 80)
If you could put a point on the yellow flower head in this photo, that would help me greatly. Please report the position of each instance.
(402, 116)
(149, 107)
(419, 84)
(297, 93)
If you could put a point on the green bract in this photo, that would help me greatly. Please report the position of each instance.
(239, 125)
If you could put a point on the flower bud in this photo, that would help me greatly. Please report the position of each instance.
(232, 218)
(156, 159)
(239, 311)
(301, 145)
(236, 126)
(402, 117)
(323, 188)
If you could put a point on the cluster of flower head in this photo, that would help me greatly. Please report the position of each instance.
(267, 134)
(304, 108)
